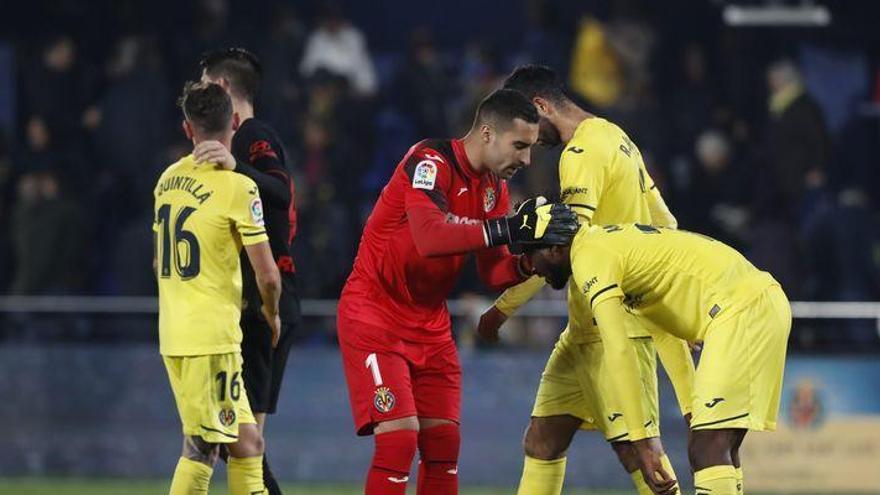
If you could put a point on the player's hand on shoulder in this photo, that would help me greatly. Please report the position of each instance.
(214, 152)
(490, 324)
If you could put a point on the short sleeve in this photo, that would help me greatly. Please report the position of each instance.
(428, 176)
(246, 211)
(598, 273)
(582, 178)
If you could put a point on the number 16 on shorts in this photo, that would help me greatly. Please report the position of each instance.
(384, 400)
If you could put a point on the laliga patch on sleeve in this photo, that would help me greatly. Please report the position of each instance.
(425, 175)
(257, 211)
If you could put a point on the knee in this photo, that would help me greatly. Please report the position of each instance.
(540, 443)
(250, 442)
(441, 442)
(395, 450)
(709, 448)
(626, 454)
(197, 449)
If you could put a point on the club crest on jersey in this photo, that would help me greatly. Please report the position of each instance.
(226, 417)
(384, 400)
(257, 211)
(425, 175)
(489, 199)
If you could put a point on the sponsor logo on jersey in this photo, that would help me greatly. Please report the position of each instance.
(461, 191)
(489, 199)
(453, 218)
(714, 402)
(257, 211)
(589, 284)
(575, 150)
(425, 175)
(614, 416)
(571, 191)
(226, 417)
(384, 400)
(261, 149)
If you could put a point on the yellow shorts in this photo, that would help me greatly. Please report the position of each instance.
(576, 382)
(739, 378)
(210, 395)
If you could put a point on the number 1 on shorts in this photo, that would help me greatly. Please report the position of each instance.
(372, 362)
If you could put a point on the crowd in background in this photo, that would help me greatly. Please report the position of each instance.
(765, 143)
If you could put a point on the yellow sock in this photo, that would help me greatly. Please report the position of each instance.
(642, 487)
(639, 481)
(542, 477)
(245, 475)
(740, 487)
(190, 477)
(715, 480)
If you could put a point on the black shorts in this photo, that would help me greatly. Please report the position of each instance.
(264, 366)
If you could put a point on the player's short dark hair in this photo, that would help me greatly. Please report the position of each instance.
(537, 81)
(502, 106)
(238, 66)
(206, 106)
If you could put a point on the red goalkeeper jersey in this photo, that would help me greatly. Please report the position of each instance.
(427, 219)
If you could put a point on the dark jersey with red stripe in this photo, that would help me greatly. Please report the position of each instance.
(260, 155)
(433, 199)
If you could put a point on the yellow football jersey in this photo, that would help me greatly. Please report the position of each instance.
(202, 217)
(675, 281)
(603, 178)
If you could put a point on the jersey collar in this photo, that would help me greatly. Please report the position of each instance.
(463, 160)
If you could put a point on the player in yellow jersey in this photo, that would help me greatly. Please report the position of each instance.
(694, 288)
(602, 178)
(203, 217)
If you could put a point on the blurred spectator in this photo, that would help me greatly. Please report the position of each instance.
(596, 70)
(48, 238)
(56, 96)
(632, 39)
(692, 104)
(131, 117)
(424, 86)
(719, 194)
(798, 144)
(340, 48)
(479, 73)
(280, 53)
(544, 40)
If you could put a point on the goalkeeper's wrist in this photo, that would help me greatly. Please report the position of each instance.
(496, 232)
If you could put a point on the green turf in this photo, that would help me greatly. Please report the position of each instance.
(30, 486)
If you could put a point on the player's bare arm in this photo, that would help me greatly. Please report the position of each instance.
(269, 284)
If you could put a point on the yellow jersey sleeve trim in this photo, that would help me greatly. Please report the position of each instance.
(251, 238)
(605, 293)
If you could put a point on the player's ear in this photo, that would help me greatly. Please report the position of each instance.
(542, 105)
(486, 133)
(236, 121)
(187, 130)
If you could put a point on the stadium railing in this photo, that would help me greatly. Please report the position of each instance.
(327, 307)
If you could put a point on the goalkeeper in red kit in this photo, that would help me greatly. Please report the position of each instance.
(445, 200)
